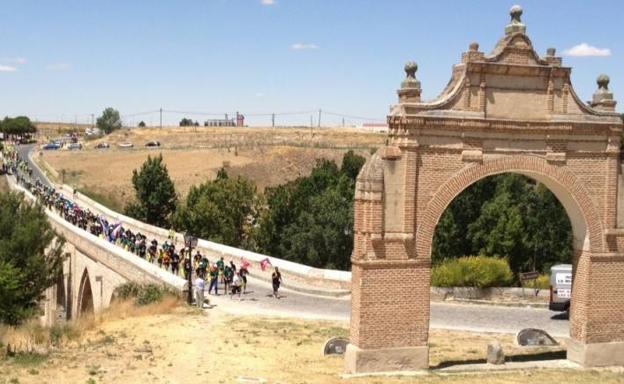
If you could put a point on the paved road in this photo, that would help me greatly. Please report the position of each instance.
(484, 318)
(23, 151)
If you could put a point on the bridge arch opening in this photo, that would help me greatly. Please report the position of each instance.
(85, 296)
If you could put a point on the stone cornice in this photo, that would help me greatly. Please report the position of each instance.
(401, 125)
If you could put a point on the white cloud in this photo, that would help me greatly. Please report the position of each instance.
(586, 50)
(13, 60)
(57, 67)
(267, 2)
(302, 46)
(7, 68)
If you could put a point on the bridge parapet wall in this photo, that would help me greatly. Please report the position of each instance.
(122, 262)
(307, 278)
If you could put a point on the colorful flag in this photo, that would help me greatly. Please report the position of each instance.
(245, 264)
(115, 232)
(264, 264)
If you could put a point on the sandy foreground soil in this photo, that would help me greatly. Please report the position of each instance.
(186, 346)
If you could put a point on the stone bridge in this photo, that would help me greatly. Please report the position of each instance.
(92, 271)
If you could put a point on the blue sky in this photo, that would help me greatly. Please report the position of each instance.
(64, 60)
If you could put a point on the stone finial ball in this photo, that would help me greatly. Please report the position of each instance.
(410, 68)
(603, 81)
(551, 51)
(474, 46)
(516, 12)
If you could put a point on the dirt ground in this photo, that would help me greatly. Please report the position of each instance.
(109, 173)
(268, 156)
(214, 347)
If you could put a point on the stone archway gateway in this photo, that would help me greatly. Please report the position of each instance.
(509, 111)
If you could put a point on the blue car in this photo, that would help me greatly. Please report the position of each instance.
(51, 146)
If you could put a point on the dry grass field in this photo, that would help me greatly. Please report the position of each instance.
(183, 346)
(267, 156)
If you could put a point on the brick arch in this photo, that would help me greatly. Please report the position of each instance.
(558, 179)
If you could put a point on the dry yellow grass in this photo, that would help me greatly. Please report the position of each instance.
(267, 156)
(185, 347)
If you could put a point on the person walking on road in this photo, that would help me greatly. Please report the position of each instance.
(277, 280)
(236, 285)
(214, 280)
(200, 285)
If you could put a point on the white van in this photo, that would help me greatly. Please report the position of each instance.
(560, 287)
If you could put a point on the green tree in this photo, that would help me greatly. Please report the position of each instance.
(509, 216)
(109, 121)
(17, 126)
(310, 219)
(351, 164)
(156, 198)
(451, 238)
(221, 210)
(31, 258)
(322, 236)
(185, 122)
(142, 124)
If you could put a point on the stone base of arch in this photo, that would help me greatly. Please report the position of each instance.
(596, 354)
(386, 359)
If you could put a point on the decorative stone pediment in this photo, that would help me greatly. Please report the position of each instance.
(515, 49)
(511, 83)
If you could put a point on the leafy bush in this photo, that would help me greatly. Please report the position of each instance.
(542, 282)
(143, 294)
(59, 332)
(473, 271)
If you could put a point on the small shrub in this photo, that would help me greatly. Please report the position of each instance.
(58, 333)
(29, 358)
(143, 294)
(542, 282)
(473, 271)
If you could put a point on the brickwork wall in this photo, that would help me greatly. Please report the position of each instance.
(591, 169)
(390, 304)
(580, 295)
(605, 316)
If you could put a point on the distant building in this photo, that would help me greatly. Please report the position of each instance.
(239, 121)
(376, 127)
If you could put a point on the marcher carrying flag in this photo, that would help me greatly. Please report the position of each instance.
(115, 231)
(264, 264)
(245, 263)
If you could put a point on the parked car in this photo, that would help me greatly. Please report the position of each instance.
(51, 146)
(102, 146)
(560, 287)
(125, 145)
(152, 144)
(74, 146)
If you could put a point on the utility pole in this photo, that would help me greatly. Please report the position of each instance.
(273, 120)
(92, 120)
(319, 119)
(343, 122)
(311, 121)
(160, 117)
